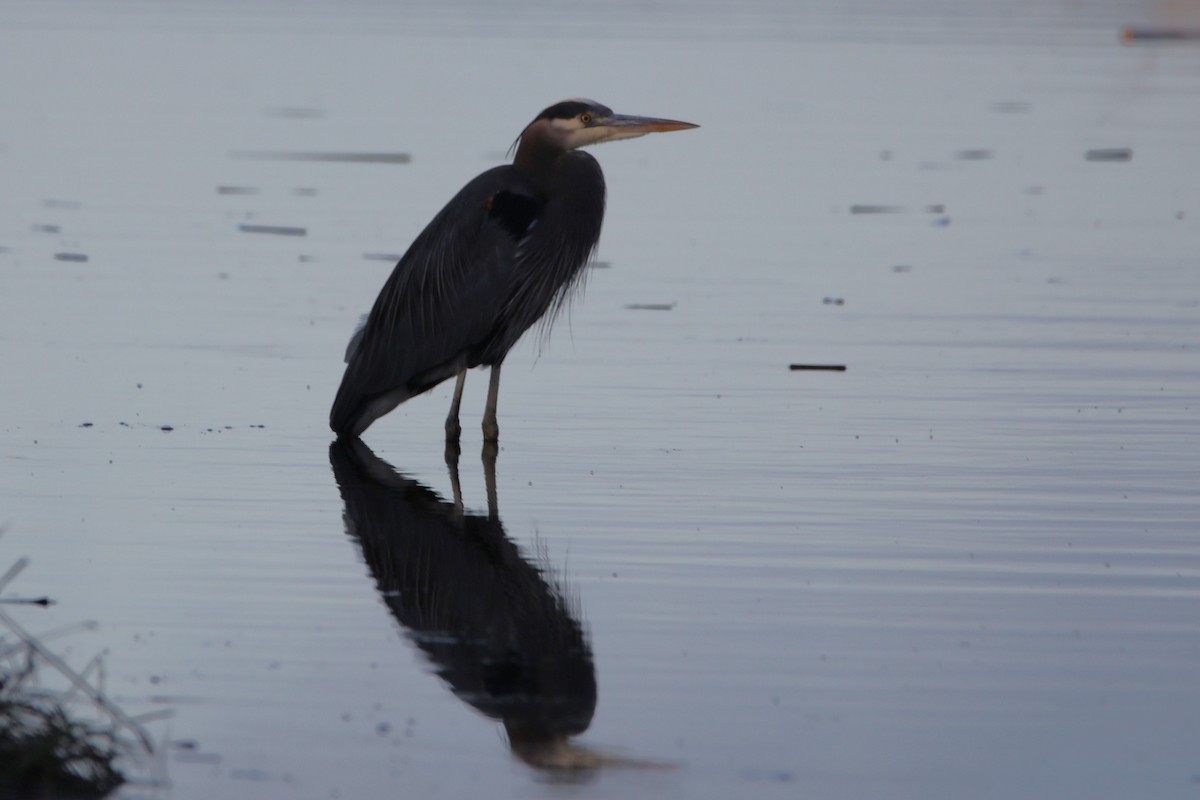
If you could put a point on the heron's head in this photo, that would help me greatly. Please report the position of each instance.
(576, 123)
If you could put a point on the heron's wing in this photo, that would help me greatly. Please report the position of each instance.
(442, 299)
(548, 265)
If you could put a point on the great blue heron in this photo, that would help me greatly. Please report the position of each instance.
(503, 254)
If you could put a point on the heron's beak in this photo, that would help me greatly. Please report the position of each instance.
(641, 125)
(623, 126)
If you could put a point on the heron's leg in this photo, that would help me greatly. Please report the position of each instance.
(453, 429)
(452, 451)
(491, 430)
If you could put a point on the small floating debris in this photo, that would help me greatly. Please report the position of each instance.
(834, 301)
(872, 208)
(768, 775)
(600, 264)
(902, 268)
(937, 208)
(41, 227)
(817, 367)
(85, 424)
(278, 230)
(1110, 154)
(1011, 106)
(1132, 34)
(166, 428)
(236, 190)
(81, 257)
(332, 156)
(392, 257)
(974, 154)
(650, 306)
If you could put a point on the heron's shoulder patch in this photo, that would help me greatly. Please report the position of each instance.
(514, 211)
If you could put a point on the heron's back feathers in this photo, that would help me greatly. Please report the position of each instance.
(495, 260)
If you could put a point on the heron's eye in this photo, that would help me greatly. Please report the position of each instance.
(585, 118)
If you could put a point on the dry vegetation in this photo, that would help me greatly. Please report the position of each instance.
(60, 737)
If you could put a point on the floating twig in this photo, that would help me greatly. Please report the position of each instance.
(1109, 154)
(336, 157)
(1132, 34)
(874, 208)
(278, 230)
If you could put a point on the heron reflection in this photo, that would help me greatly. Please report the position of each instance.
(494, 625)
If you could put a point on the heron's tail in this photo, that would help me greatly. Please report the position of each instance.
(346, 417)
(357, 405)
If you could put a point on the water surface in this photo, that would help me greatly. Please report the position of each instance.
(966, 566)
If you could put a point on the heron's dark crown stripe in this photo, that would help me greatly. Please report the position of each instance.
(568, 109)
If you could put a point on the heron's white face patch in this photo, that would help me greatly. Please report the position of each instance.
(569, 133)
(566, 127)
(585, 129)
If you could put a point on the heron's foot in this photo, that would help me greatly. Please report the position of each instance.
(491, 431)
(453, 430)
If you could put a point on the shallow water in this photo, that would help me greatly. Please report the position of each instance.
(966, 566)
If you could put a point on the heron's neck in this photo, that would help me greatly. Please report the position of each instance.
(537, 155)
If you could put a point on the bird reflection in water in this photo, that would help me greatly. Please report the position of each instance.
(496, 627)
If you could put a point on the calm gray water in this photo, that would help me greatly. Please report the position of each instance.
(968, 566)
